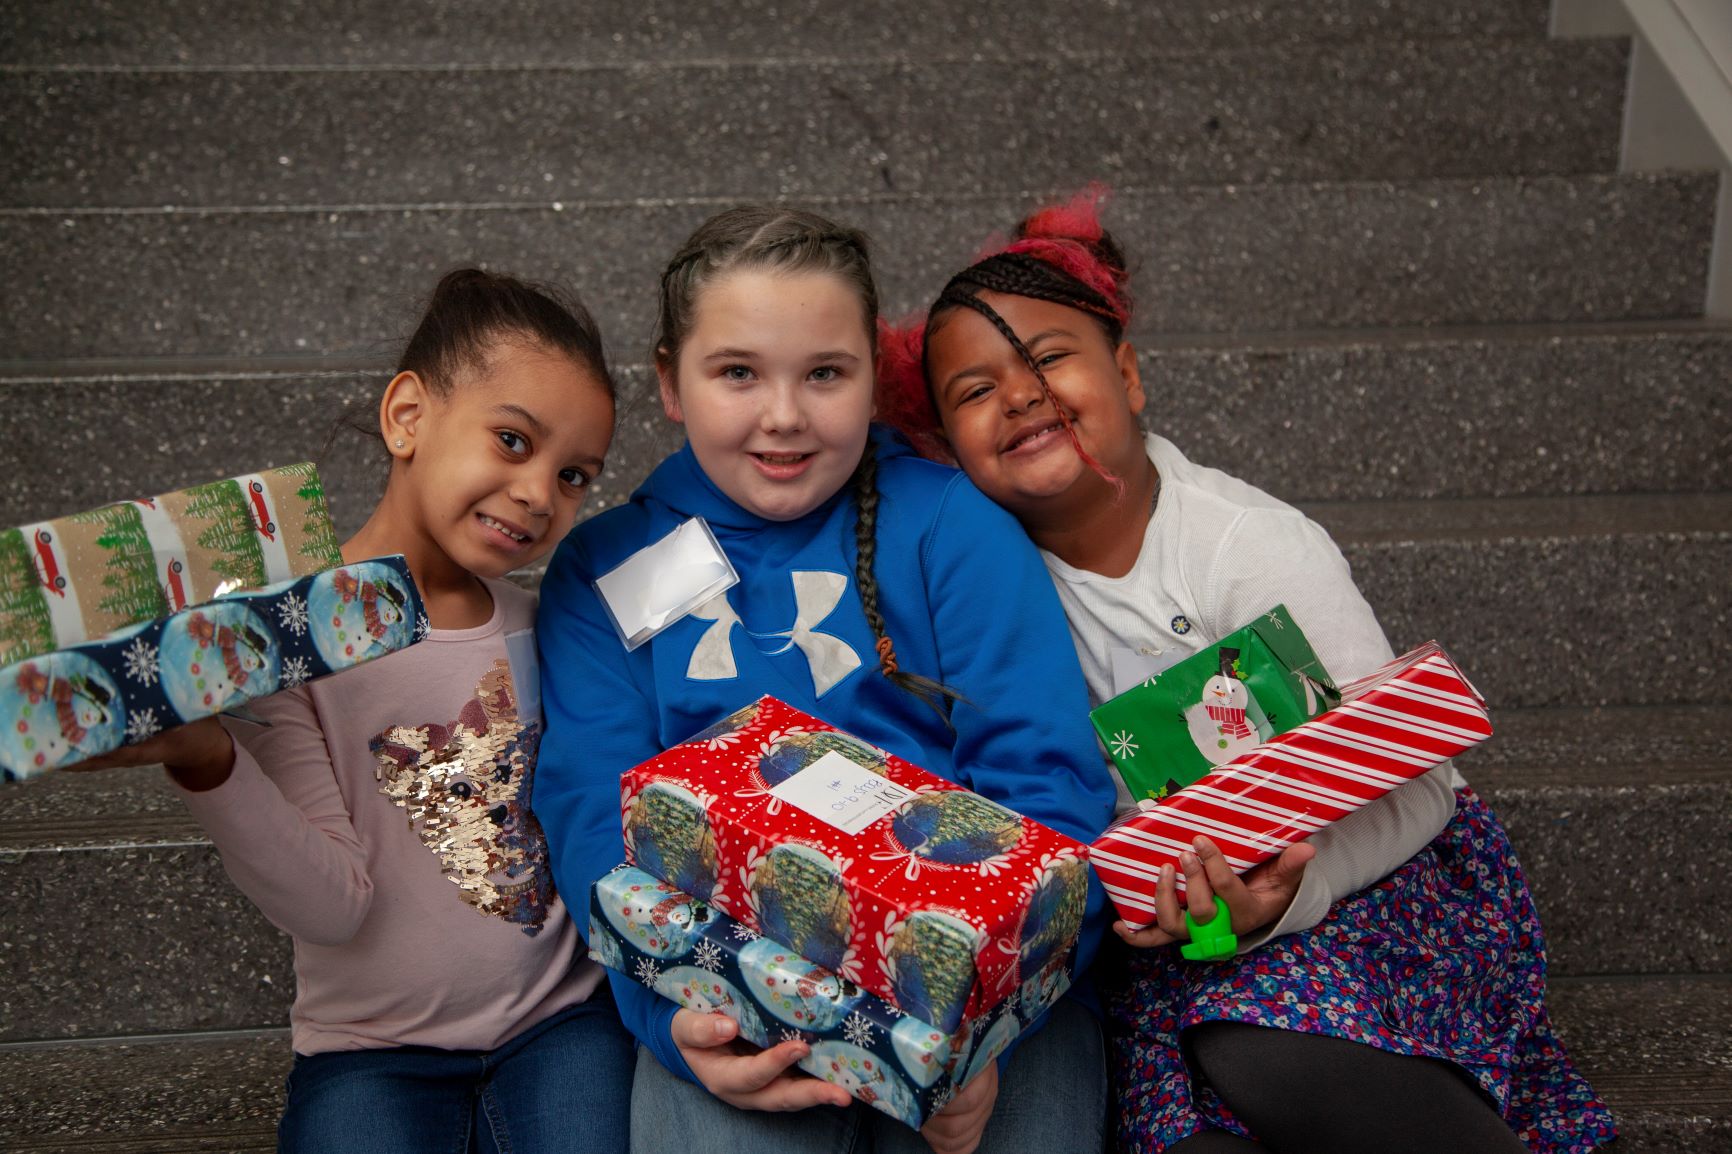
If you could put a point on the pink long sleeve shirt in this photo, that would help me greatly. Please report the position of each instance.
(383, 821)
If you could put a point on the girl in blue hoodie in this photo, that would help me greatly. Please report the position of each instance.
(878, 591)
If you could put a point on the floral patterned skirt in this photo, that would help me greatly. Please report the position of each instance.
(1442, 959)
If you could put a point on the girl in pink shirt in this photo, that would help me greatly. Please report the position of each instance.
(443, 1001)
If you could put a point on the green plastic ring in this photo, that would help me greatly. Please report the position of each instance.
(1211, 943)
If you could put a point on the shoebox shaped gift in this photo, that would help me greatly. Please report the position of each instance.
(934, 898)
(691, 953)
(1395, 725)
(84, 576)
(1214, 706)
(77, 703)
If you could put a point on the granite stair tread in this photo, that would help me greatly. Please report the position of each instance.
(1253, 258)
(1656, 1048)
(314, 33)
(1263, 115)
(1538, 410)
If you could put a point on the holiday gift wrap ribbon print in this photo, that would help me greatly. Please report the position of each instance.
(936, 905)
(1391, 727)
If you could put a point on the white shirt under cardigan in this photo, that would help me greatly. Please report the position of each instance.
(1218, 553)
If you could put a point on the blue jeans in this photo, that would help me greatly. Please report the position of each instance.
(1052, 1098)
(564, 1085)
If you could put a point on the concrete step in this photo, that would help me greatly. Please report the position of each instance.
(96, 33)
(162, 942)
(1555, 601)
(1266, 114)
(1656, 1049)
(1529, 411)
(342, 280)
(1622, 821)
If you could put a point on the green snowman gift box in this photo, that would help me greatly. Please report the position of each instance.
(1215, 706)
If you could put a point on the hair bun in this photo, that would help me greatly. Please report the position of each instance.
(1077, 221)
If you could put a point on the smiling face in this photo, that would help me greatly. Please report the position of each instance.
(1000, 423)
(501, 463)
(774, 386)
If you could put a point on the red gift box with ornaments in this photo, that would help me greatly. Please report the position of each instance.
(1392, 726)
(932, 897)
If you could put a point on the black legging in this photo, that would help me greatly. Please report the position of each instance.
(1306, 1092)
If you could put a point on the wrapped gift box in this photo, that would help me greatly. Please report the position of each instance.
(932, 897)
(69, 580)
(692, 954)
(1215, 706)
(1393, 726)
(73, 704)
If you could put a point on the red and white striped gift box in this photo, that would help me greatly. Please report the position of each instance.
(1392, 726)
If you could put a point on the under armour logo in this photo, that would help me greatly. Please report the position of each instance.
(816, 595)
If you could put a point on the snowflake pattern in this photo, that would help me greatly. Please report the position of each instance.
(941, 1098)
(422, 627)
(709, 956)
(789, 1034)
(292, 614)
(858, 1030)
(140, 724)
(745, 933)
(296, 671)
(1124, 744)
(647, 971)
(141, 663)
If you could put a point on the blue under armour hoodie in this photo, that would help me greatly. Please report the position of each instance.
(965, 599)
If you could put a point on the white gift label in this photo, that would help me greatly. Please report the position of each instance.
(838, 792)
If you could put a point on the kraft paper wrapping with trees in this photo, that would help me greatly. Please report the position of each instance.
(73, 579)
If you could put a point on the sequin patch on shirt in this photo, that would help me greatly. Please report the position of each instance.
(465, 786)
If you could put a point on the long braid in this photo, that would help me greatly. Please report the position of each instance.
(865, 486)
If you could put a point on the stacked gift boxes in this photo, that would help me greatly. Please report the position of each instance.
(928, 895)
(76, 703)
(88, 575)
(136, 617)
(692, 954)
(1395, 725)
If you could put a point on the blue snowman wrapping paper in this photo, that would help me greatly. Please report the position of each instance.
(64, 707)
(690, 953)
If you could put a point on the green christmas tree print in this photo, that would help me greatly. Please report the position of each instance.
(321, 542)
(26, 628)
(229, 531)
(131, 591)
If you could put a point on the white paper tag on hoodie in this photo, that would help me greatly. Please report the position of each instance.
(661, 583)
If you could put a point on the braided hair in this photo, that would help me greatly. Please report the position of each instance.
(787, 240)
(1059, 254)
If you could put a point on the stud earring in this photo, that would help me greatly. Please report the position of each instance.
(399, 442)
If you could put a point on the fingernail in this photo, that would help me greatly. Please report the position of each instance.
(1198, 842)
(1167, 872)
(1190, 861)
(723, 1027)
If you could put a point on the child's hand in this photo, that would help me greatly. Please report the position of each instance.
(198, 756)
(744, 1076)
(1257, 899)
(956, 1129)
